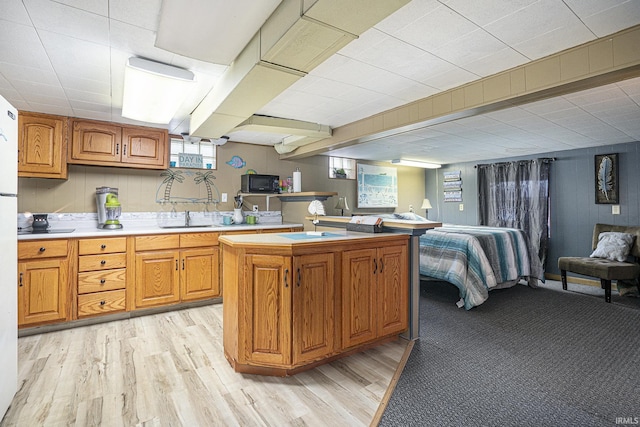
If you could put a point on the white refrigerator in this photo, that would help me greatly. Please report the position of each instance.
(8, 254)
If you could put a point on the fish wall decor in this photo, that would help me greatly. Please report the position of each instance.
(236, 162)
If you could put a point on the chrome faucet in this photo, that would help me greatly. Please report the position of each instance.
(187, 218)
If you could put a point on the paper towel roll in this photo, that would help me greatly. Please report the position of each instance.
(297, 181)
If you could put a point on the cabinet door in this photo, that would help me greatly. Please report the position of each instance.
(145, 146)
(42, 146)
(199, 274)
(95, 142)
(358, 297)
(157, 278)
(267, 302)
(42, 291)
(313, 307)
(393, 290)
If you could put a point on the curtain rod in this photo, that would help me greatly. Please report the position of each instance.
(543, 159)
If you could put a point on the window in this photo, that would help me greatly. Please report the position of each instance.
(342, 168)
(199, 155)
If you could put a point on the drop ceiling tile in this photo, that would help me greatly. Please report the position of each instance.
(604, 18)
(77, 57)
(18, 72)
(470, 47)
(495, 62)
(98, 7)
(85, 85)
(15, 40)
(407, 15)
(70, 21)
(33, 89)
(15, 11)
(443, 24)
(538, 18)
(141, 13)
(450, 79)
(36, 100)
(77, 105)
(76, 96)
(573, 33)
(487, 11)
(137, 42)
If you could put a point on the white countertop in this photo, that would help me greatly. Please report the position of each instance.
(86, 226)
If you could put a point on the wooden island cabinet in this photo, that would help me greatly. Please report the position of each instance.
(292, 302)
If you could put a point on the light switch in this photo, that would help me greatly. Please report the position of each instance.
(461, 207)
(223, 197)
(615, 209)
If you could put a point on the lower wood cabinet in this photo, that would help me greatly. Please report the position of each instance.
(283, 312)
(375, 295)
(289, 308)
(171, 268)
(43, 276)
(102, 277)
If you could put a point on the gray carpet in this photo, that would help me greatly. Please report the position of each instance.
(526, 357)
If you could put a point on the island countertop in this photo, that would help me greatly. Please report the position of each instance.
(300, 238)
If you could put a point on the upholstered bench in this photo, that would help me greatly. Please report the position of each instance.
(605, 269)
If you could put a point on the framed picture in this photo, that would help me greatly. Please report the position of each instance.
(377, 186)
(606, 179)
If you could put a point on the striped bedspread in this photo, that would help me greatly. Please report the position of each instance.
(477, 259)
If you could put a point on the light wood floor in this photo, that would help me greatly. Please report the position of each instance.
(169, 369)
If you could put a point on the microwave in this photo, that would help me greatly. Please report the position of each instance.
(256, 183)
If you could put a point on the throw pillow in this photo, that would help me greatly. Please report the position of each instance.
(614, 246)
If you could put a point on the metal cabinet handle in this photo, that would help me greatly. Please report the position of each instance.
(176, 265)
(124, 149)
(381, 265)
(103, 262)
(103, 246)
(117, 148)
(103, 302)
(42, 249)
(183, 263)
(298, 277)
(375, 266)
(20, 283)
(286, 274)
(103, 281)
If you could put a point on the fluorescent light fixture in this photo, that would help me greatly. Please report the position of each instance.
(153, 91)
(415, 163)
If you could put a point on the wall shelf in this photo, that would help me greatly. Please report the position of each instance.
(304, 196)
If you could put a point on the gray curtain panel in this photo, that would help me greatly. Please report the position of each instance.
(516, 195)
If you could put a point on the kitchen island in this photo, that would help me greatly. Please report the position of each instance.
(293, 301)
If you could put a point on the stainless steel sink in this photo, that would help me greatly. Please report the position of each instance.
(188, 226)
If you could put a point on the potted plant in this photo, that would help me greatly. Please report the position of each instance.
(339, 173)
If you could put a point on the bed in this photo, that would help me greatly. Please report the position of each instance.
(478, 259)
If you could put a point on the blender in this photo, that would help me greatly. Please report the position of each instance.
(109, 208)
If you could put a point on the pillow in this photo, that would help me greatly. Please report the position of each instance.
(410, 216)
(614, 246)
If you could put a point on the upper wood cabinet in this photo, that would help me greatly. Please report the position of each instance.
(110, 144)
(42, 145)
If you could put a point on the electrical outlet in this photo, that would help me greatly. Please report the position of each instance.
(255, 208)
(615, 209)
(223, 197)
(461, 207)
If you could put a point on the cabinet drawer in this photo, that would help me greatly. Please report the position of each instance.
(98, 281)
(102, 262)
(102, 245)
(42, 249)
(150, 243)
(194, 240)
(101, 303)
